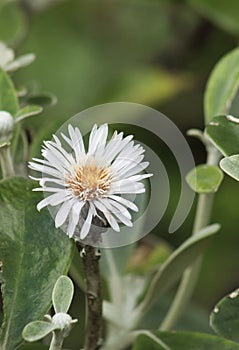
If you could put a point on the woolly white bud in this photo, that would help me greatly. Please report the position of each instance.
(6, 126)
(63, 322)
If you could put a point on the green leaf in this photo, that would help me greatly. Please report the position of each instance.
(223, 132)
(231, 166)
(43, 99)
(182, 341)
(222, 86)
(36, 330)
(194, 318)
(223, 13)
(62, 294)
(225, 317)
(205, 178)
(32, 251)
(28, 111)
(8, 98)
(21, 61)
(175, 265)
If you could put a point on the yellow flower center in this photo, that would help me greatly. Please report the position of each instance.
(89, 181)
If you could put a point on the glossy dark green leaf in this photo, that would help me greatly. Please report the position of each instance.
(34, 255)
(182, 341)
(205, 178)
(174, 266)
(223, 132)
(231, 166)
(222, 86)
(225, 317)
(8, 98)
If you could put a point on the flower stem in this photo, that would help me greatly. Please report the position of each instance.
(190, 276)
(6, 161)
(57, 341)
(90, 258)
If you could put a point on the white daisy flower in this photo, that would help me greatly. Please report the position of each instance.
(90, 183)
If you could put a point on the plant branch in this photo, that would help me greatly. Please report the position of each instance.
(6, 161)
(57, 341)
(190, 276)
(90, 258)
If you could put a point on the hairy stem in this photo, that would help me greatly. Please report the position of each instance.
(57, 341)
(90, 258)
(6, 161)
(190, 276)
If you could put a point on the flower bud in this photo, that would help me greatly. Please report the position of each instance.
(6, 126)
(63, 322)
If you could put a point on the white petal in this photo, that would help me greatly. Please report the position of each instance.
(48, 189)
(125, 202)
(43, 203)
(111, 220)
(56, 158)
(57, 141)
(114, 207)
(45, 169)
(125, 186)
(61, 151)
(97, 139)
(138, 177)
(44, 180)
(74, 217)
(114, 147)
(67, 139)
(39, 160)
(53, 199)
(80, 140)
(133, 169)
(86, 226)
(123, 219)
(99, 151)
(63, 213)
(121, 213)
(121, 164)
(77, 142)
(119, 207)
(109, 217)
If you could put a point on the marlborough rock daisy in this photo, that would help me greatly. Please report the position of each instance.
(90, 183)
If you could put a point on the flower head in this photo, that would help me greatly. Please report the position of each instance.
(91, 183)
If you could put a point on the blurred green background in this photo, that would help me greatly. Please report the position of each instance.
(155, 52)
